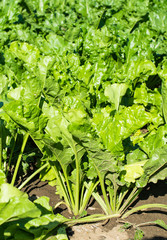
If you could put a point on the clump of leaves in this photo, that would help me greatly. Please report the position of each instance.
(86, 81)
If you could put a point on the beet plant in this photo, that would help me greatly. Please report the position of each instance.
(86, 82)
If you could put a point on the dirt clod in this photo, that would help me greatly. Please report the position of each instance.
(96, 232)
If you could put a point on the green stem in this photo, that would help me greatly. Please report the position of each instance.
(63, 187)
(111, 197)
(60, 203)
(33, 175)
(11, 154)
(143, 207)
(92, 218)
(87, 196)
(131, 198)
(82, 194)
(115, 197)
(148, 223)
(104, 194)
(76, 210)
(121, 198)
(69, 188)
(25, 138)
(100, 201)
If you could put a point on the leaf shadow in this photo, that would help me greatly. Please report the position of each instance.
(35, 185)
(152, 190)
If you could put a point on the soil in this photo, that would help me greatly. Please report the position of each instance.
(112, 230)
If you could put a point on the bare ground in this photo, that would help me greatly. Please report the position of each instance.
(155, 193)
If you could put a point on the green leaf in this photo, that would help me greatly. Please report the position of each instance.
(136, 156)
(145, 96)
(127, 225)
(57, 43)
(160, 223)
(139, 234)
(115, 92)
(12, 229)
(57, 128)
(26, 52)
(11, 9)
(155, 168)
(163, 75)
(44, 65)
(101, 160)
(125, 122)
(14, 204)
(156, 139)
(27, 117)
(43, 204)
(134, 171)
(43, 225)
(3, 84)
(20, 234)
(61, 233)
(62, 153)
(7, 191)
(158, 20)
